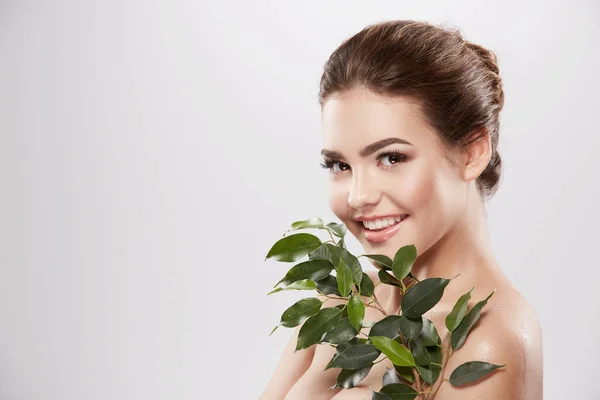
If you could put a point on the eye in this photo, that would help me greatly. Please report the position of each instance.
(394, 156)
(330, 165)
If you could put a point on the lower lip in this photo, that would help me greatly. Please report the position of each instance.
(382, 235)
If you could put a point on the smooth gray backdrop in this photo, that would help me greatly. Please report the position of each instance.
(151, 152)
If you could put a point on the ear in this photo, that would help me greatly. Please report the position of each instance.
(476, 156)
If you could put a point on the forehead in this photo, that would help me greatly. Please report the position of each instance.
(359, 117)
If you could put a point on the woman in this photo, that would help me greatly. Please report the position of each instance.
(410, 121)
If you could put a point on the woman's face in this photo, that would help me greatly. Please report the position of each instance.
(408, 175)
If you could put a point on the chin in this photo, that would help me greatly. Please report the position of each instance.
(387, 248)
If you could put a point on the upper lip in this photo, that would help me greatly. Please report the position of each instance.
(373, 217)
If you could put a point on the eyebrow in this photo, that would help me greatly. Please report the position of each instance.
(368, 150)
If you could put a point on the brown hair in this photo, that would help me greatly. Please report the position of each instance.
(456, 82)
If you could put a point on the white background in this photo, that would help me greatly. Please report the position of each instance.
(152, 152)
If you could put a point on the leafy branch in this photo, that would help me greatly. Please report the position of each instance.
(409, 340)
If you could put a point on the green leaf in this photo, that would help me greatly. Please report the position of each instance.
(352, 262)
(315, 327)
(305, 284)
(356, 311)
(344, 309)
(341, 244)
(378, 396)
(431, 372)
(383, 261)
(314, 270)
(406, 372)
(403, 261)
(419, 351)
(344, 278)
(399, 391)
(388, 279)
(423, 296)
(429, 334)
(326, 251)
(398, 354)
(353, 342)
(354, 356)
(328, 285)
(458, 312)
(308, 223)
(356, 341)
(410, 328)
(388, 327)
(366, 288)
(471, 371)
(349, 378)
(338, 230)
(300, 311)
(390, 376)
(293, 247)
(459, 335)
(276, 326)
(342, 333)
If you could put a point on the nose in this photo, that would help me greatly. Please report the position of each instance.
(363, 192)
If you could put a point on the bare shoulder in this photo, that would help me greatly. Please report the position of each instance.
(299, 374)
(507, 333)
(292, 365)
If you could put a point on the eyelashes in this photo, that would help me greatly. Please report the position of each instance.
(395, 154)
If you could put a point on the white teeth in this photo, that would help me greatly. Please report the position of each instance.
(382, 222)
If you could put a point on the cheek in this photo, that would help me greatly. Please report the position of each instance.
(425, 193)
(338, 202)
(435, 194)
(417, 189)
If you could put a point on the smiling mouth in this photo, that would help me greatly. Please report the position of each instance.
(379, 226)
(382, 234)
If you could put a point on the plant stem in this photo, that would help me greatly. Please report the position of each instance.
(328, 231)
(417, 380)
(415, 373)
(434, 391)
(330, 235)
(378, 304)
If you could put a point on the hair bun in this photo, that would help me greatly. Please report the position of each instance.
(487, 56)
(490, 60)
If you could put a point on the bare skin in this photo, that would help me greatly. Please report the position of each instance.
(447, 224)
